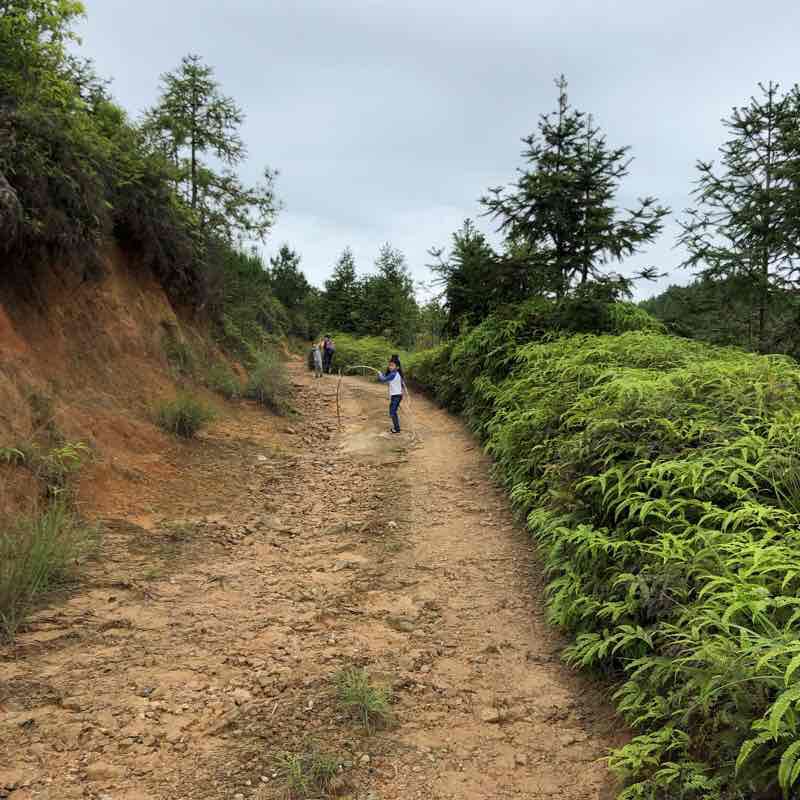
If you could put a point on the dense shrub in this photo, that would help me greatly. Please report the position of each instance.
(36, 553)
(268, 383)
(184, 416)
(661, 479)
(371, 351)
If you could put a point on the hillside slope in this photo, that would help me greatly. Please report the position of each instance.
(91, 359)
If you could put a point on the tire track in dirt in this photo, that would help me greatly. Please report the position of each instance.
(312, 552)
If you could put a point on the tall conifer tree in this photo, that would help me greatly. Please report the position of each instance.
(562, 209)
(745, 225)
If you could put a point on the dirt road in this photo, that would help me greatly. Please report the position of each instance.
(206, 638)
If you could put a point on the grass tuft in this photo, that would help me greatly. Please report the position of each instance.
(37, 552)
(307, 774)
(269, 382)
(370, 705)
(179, 354)
(184, 416)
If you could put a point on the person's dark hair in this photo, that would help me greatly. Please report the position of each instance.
(396, 360)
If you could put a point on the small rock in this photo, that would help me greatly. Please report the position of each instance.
(521, 760)
(103, 771)
(241, 696)
(490, 715)
(365, 759)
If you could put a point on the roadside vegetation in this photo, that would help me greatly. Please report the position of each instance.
(659, 475)
(660, 478)
(42, 548)
(360, 698)
(184, 416)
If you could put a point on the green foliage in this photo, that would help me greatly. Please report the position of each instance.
(222, 379)
(191, 120)
(370, 705)
(370, 351)
(387, 306)
(36, 553)
(184, 416)
(380, 304)
(179, 353)
(747, 223)
(249, 318)
(268, 383)
(342, 295)
(307, 774)
(560, 216)
(661, 480)
(726, 311)
(73, 169)
(470, 275)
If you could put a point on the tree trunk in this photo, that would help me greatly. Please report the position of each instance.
(194, 147)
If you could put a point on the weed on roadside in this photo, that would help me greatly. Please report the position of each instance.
(370, 705)
(37, 552)
(269, 383)
(307, 774)
(223, 380)
(184, 416)
(179, 354)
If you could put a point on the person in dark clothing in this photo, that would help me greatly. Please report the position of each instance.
(395, 381)
(328, 349)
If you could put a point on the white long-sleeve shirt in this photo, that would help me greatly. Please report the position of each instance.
(394, 380)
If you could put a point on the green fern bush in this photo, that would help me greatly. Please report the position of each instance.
(661, 479)
(372, 351)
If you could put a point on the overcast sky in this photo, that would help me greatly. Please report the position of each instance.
(387, 120)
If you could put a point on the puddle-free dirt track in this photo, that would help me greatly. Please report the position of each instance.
(206, 637)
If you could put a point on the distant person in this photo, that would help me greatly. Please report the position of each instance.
(317, 356)
(394, 379)
(328, 349)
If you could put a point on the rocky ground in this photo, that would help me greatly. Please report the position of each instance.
(205, 639)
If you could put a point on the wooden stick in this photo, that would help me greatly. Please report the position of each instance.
(338, 400)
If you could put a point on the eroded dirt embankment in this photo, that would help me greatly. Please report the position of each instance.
(206, 639)
(94, 352)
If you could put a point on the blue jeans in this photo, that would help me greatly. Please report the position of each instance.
(394, 404)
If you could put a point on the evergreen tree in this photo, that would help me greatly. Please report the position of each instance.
(561, 210)
(288, 282)
(745, 225)
(193, 119)
(468, 275)
(342, 296)
(433, 321)
(389, 306)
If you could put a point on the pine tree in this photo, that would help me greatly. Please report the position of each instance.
(287, 280)
(469, 276)
(389, 306)
(745, 224)
(561, 210)
(194, 119)
(342, 296)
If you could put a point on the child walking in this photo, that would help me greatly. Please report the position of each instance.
(317, 361)
(394, 379)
